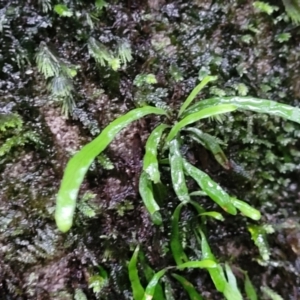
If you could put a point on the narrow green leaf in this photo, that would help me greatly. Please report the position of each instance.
(189, 288)
(175, 242)
(146, 192)
(195, 92)
(231, 291)
(211, 144)
(250, 103)
(202, 264)
(258, 235)
(232, 294)
(213, 214)
(230, 276)
(270, 293)
(137, 288)
(149, 273)
(198, 193)
(150, 163)
(194, 117)
(81, 161)
(210, 187)
(217, 275)
(246, 209)
(197, 206)
(150, 289)
(249, 288)
(177, 174)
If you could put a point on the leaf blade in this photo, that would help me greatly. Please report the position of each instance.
(81, 161)
(196, 116)
(150, 162)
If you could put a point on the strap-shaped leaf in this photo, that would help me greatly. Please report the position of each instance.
(217, 274)
(210, 187)
(175, 242)
(81, 161)
(177, 173)
(210, 143)
(137, 289)
(195, 92)
(150, 289)
(194, 117)
(146, 192)
(250, 103)
(150, 163)
(246, 209)
(189, 288)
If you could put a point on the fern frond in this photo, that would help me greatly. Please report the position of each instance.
(62, 89)
(124, 52)
(47, 62)
(99, 52)
(61, 86)
(292, 8)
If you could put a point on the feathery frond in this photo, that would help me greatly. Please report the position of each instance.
(292, 8)
(47, 62)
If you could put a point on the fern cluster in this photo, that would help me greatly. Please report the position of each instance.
(60, 75)
(104, 57)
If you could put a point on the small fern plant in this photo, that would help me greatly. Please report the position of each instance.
(59, 75)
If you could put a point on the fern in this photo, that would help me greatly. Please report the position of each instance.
(62, 89)
(99, 52)
(47, 62)
(124, 53)
(292, 8)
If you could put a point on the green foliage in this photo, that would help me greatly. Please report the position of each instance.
(85, 207)
(104, 57)
(270, 293)
(265, 7)
(142, 79)
(292, 8)
(79, 295)
(60, 76)
(167, 143)
(62, 10)
(99, 281)
(13, 133)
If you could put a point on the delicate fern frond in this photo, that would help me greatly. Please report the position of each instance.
(99, 52)
(61, 86)
(292, 8)
(47, 62)
(124, 52)
(62, 89)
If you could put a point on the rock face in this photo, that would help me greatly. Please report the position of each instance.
(176, 42)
